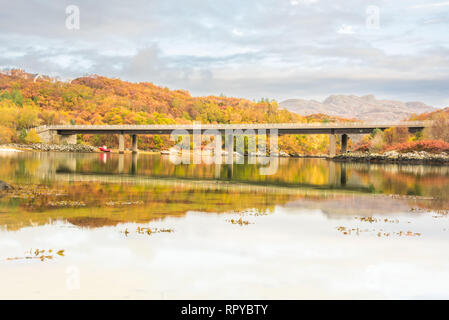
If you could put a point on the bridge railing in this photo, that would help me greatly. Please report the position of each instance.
(355, 124)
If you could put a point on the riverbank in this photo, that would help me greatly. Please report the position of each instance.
(416, 157)
(48, 147)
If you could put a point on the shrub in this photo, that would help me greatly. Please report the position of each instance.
(32, 137)
(439, 129)
(432, 146)
(377, 143)
(362, 146)
(22, 135)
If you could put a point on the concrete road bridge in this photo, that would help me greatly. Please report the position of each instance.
(67, 133)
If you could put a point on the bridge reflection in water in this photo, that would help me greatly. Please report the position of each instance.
(338, 189)
(292, 173)
(128, 168)
(319, 174)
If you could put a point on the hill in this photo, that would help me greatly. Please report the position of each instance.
(28, 100)
(361, 108)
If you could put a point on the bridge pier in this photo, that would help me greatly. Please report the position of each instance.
(52, 136)
(344, 143)
(134, 139)
(229, 147)
(332, 145)
(121, 143)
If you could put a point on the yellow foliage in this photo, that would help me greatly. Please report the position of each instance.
(32, 137)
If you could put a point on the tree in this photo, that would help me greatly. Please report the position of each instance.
(27, 118)
(377, 142)
(22, 135)
(395, 135)
(17, 97)
(157, 140)
(439, 129)
(6, 134)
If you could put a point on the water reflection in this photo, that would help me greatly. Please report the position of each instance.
(417, 180)
(319, 229)
(152, 187)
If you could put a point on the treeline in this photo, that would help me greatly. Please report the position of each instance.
(27, 101)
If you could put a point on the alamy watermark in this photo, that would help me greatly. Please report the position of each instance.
(72, 21)
(372, 17)
(206, 146)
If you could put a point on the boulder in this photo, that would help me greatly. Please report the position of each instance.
(4, 186)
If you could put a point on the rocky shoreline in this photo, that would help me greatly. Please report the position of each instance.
(417, 157)
(51, 147)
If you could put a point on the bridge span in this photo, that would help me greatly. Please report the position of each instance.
(67, 133)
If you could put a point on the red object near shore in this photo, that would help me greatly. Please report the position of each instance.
(104, 149)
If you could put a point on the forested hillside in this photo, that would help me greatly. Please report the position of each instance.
(28, 100)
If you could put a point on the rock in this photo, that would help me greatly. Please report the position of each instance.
(55, 147)
(4, 186)
(391, 154)
(418, 157)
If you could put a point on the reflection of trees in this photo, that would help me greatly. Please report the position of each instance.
(418, 182)
(110, 204)
(380, 178)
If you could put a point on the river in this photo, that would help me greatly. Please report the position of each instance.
(122, 226)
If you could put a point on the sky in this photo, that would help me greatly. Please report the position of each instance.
(278, 49)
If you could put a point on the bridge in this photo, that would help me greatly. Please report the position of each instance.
(67, 133)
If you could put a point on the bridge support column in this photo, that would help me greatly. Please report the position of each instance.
(121, 143)
(229, 147)
(344, 143)
(332, 145)
(134, 148)
(48, 136)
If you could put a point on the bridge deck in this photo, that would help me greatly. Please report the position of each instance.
(283, 128)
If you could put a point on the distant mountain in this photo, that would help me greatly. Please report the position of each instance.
(362, 108)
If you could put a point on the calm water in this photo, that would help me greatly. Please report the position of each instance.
(118, 226)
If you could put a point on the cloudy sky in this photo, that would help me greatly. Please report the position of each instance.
(266, 48)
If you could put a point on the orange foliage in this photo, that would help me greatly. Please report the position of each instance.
(433, 146)
(100, 100)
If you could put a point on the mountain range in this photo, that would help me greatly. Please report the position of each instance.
(356, 107)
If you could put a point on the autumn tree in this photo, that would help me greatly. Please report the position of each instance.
(439, 129)
(6, 134)
(395, 135)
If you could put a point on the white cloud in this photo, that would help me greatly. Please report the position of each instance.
(244, 48)
(237, 32)
(306, 2)
(431, 5)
